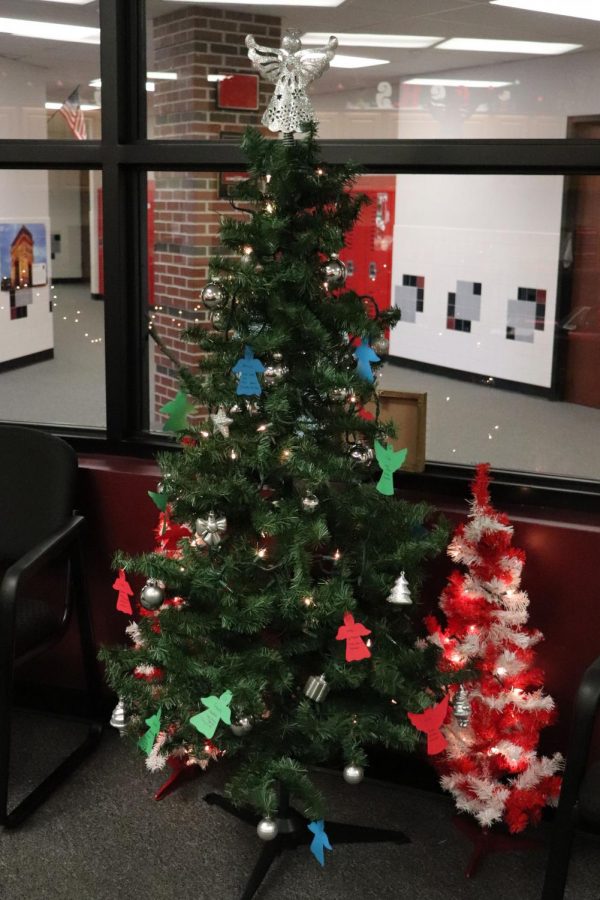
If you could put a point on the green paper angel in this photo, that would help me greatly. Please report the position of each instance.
(389, 460)
(178, 409)
(146, 742)
(218, 708)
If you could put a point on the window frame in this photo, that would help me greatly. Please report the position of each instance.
(125, 155)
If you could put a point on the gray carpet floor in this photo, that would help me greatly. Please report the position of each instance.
(102, 835)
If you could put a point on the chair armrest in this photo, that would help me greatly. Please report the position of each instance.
(31, 561)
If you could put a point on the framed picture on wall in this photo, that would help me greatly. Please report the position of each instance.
(237, 91)
(408, 412)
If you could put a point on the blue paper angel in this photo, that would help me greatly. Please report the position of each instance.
(364, 356)
(248, 368)
(320, 842)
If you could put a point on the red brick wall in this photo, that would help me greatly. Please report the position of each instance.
(193, 43)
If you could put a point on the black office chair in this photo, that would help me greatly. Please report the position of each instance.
(39, 529)
(579, 801)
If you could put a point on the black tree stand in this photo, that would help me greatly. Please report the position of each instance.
(293, 832)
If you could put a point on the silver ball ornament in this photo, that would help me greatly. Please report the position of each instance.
(334, 272)
(242, 726)
(310, 502)
(362, 454)
(353, 774)
(267, 829)
(381, 346)
(213, 295)
(152, 594)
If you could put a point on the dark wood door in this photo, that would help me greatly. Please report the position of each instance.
(580, 329)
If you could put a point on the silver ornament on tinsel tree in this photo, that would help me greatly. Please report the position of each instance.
(462, 707)
(213, 295)
(353, 774)
(310, 502)
(361, 453)
(211, 529)
(334, 272)
(118, 718)
(267, 829)
(152, 594)
(400, 593)
(291, 69)
(316, 688)
(242, 725)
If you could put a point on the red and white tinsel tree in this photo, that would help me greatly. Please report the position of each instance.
(491, 764)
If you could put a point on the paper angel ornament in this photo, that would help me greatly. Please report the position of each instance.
(291, 69)
(430, 721)
(353, 632)
(217, 710)
(247, 368)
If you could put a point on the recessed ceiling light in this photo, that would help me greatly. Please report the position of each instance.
(493, 46)
(400, 41)
(50, 31)
(85, 107)
(577, 9)
(329, 3)
(340, 61)
(458, 82)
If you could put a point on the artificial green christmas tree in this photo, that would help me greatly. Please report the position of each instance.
(269, 629)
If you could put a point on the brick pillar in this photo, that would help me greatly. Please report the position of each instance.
(194, 43)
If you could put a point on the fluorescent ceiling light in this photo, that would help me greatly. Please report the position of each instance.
(340, 61)
(50, 31)
(399, 41)
(85, 107)
(577, 9)
(154, 76)
(493, 46)
(329, 3)
(72, 2)
(458, 82)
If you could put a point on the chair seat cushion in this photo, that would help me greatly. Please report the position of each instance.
(589, 797)
(36, 623)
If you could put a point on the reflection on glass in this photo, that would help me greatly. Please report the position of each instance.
(410, 75)
(496, 278)
(51, 323)
(47, 60)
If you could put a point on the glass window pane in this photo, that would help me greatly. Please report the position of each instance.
(49, 67)
(51, 309)
(496, 277)
(403, 69)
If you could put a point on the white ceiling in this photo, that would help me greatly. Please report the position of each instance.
(67, 64)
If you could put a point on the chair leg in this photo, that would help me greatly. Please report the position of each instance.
(6, 679)
(559, 856)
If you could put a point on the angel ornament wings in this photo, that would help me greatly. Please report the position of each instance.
(291, 69)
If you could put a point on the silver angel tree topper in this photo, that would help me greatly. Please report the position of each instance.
(291, 69)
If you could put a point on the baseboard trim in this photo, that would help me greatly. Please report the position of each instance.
(28, 360)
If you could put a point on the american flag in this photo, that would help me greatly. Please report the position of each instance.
(71, 112)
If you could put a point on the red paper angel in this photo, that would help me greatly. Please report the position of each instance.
(125, 592)
(352, 632)
(430, 721)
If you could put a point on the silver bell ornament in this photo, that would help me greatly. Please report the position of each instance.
(310, 502)
(241, 726)
(152, 594)
(462, 707)
(361, 453)
(211, 529)
(334, 272)
(118, 718)
(213, 295)
(267, 829)
(316, 688)
(353, 774)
